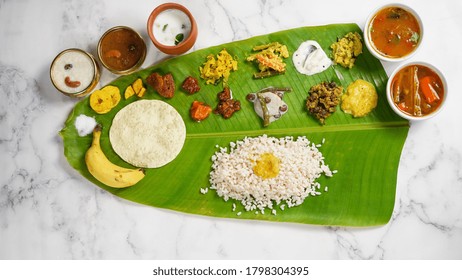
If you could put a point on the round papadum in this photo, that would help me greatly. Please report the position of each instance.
(148, 133)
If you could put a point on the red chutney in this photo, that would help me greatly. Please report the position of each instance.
(394, 32)
(417, 90)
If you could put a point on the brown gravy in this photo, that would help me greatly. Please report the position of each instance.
(121, 49)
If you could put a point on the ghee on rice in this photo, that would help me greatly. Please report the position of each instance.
(301, 163)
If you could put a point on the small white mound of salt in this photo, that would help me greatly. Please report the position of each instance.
(84, 125)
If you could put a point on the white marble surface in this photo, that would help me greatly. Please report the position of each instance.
(49, 211)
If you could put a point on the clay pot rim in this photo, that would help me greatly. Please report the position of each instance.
(183, 46)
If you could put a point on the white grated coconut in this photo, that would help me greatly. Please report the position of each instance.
(301, 163)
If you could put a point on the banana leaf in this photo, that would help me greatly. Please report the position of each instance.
(365, 151)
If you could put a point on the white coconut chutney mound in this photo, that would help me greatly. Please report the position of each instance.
(310, 58)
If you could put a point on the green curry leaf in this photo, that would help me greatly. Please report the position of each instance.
(415, 37)
(179, 38)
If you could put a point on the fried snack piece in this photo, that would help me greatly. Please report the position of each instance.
(129, 92)
(103, 100)
(227, 106)
(137, 85)
(164, 85)
(199, 111)
(190, 85)
(135, 88)
(141, 93)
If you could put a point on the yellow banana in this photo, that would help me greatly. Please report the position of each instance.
(107, 172)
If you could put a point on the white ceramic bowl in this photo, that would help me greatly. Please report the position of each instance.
(370, 45)
(405, 115)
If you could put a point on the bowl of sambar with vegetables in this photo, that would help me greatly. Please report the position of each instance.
(393, 32)
(417, 91)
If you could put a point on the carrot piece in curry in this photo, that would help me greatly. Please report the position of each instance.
(428, 90)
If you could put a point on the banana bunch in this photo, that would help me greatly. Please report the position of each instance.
(105, 171)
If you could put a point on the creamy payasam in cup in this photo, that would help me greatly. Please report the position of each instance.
(74, 72)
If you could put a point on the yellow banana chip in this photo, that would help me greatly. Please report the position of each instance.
(103, 100)
(115, 96)
(129, 92)
(141, 92)
(137, 86)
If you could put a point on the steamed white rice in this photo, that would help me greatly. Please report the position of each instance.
(301, 163)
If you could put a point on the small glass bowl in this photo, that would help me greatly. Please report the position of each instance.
(102, 52)
(74, 72)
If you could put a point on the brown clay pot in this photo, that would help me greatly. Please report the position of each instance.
(183, 46)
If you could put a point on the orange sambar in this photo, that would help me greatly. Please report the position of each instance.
(394, 32)
(417, 90)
